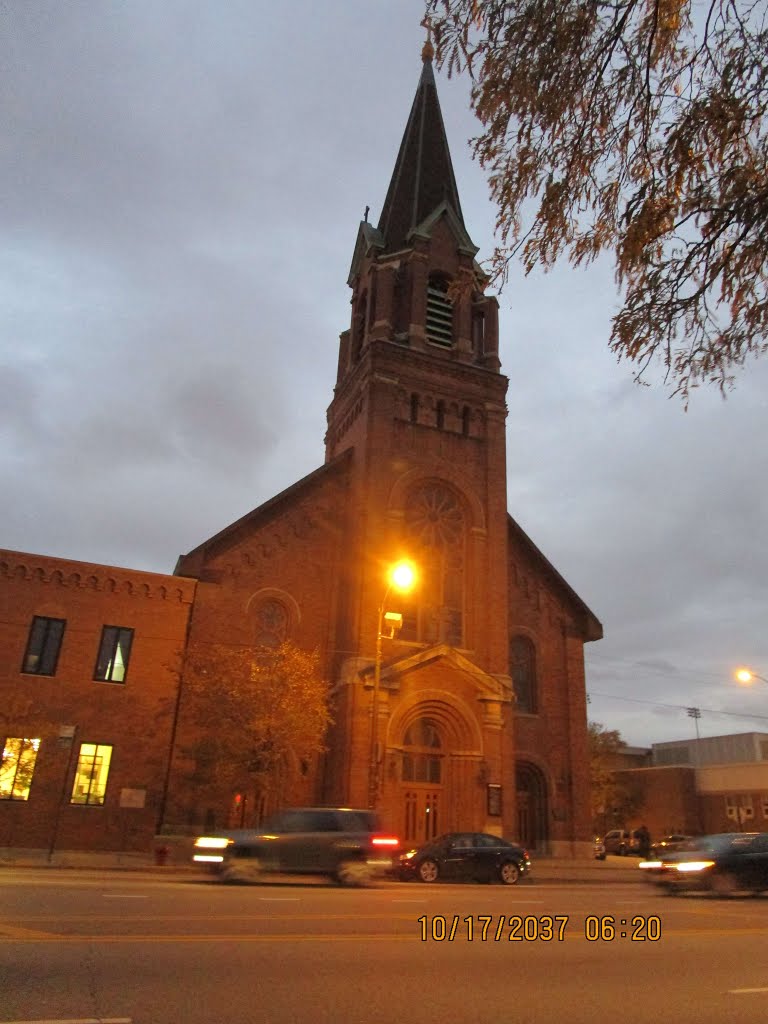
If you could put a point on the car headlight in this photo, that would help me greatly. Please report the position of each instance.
(694, 865)
(212, 843)
(409, 855)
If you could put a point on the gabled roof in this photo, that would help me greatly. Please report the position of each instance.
(490, 685)
(192, 563)
(593, 628)
(423, 177)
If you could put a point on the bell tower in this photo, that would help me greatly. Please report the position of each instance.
(420, 402)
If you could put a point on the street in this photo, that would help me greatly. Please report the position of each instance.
(142, 948)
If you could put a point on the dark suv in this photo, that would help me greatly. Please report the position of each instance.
(341, 842)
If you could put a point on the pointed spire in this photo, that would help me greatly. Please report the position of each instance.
(423, 176)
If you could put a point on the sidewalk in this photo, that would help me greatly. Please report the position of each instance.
(547, 870)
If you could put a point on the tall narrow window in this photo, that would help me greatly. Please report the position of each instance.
(17, 768)
(440, 414)
(414, 408)
(439, 313)
(114, 652)
(271, 624)
(91, 776)
(435, 527)
(43, 646)
(522, 668)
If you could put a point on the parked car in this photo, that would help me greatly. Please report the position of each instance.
(724, 864)
(466, 855)
(345, 844)
(667, 844)
(621, 842)
(598, 848)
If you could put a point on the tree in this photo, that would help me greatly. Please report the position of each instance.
(261, 715)
(638, 128)
(614, 799)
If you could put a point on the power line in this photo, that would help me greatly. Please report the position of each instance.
(678, 707)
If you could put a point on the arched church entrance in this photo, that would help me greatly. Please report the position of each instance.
(423, 771)
(532, 807)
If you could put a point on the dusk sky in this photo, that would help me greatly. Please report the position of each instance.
(182, 184)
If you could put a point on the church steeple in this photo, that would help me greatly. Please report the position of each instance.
(418, 300)
(423, 177)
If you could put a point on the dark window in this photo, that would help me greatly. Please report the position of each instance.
(271, 624)
(414, 408)
(420, 762)
(114, 652)
(522, 667)
(441, 414)
(43, 646)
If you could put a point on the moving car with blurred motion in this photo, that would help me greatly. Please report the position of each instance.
(724, 864)
(668, 844)
(475, 856)
(343, 843)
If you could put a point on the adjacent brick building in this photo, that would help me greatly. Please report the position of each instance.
(477, 719)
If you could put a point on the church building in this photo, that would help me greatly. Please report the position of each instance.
(460, 704)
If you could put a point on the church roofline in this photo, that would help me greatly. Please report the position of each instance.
(426, 655)
(191, 563)
(593, 626)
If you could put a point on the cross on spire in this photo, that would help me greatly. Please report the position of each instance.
(427, 50)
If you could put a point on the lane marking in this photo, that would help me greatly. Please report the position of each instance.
(744, 991)
(280, 899)
(76, 1020)
(122, 896)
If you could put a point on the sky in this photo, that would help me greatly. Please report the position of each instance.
(182, 184)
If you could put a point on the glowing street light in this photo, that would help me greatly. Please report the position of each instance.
(401, 577)
(746, 676)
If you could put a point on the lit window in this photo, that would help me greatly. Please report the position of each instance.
(17, 768)
(43, 646)
(114, 652)
(91, 775)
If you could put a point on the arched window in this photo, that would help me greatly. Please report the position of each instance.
(435, 530)
(271, 624)
(522, 668)
(439, 313)
(422, 759)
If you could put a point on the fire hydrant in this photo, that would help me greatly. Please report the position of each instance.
(161, 855)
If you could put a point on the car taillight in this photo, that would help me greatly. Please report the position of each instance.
(389, 841)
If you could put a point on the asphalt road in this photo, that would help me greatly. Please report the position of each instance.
(138, 949)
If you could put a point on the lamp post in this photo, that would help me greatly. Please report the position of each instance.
(746, 676)
(401, 577)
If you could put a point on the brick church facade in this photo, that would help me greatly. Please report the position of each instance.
(476, 718)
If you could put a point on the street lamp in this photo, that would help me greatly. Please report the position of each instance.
(401, 577)
(746, 676)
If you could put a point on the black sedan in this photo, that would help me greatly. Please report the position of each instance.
(724, 864)
(466, 855)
